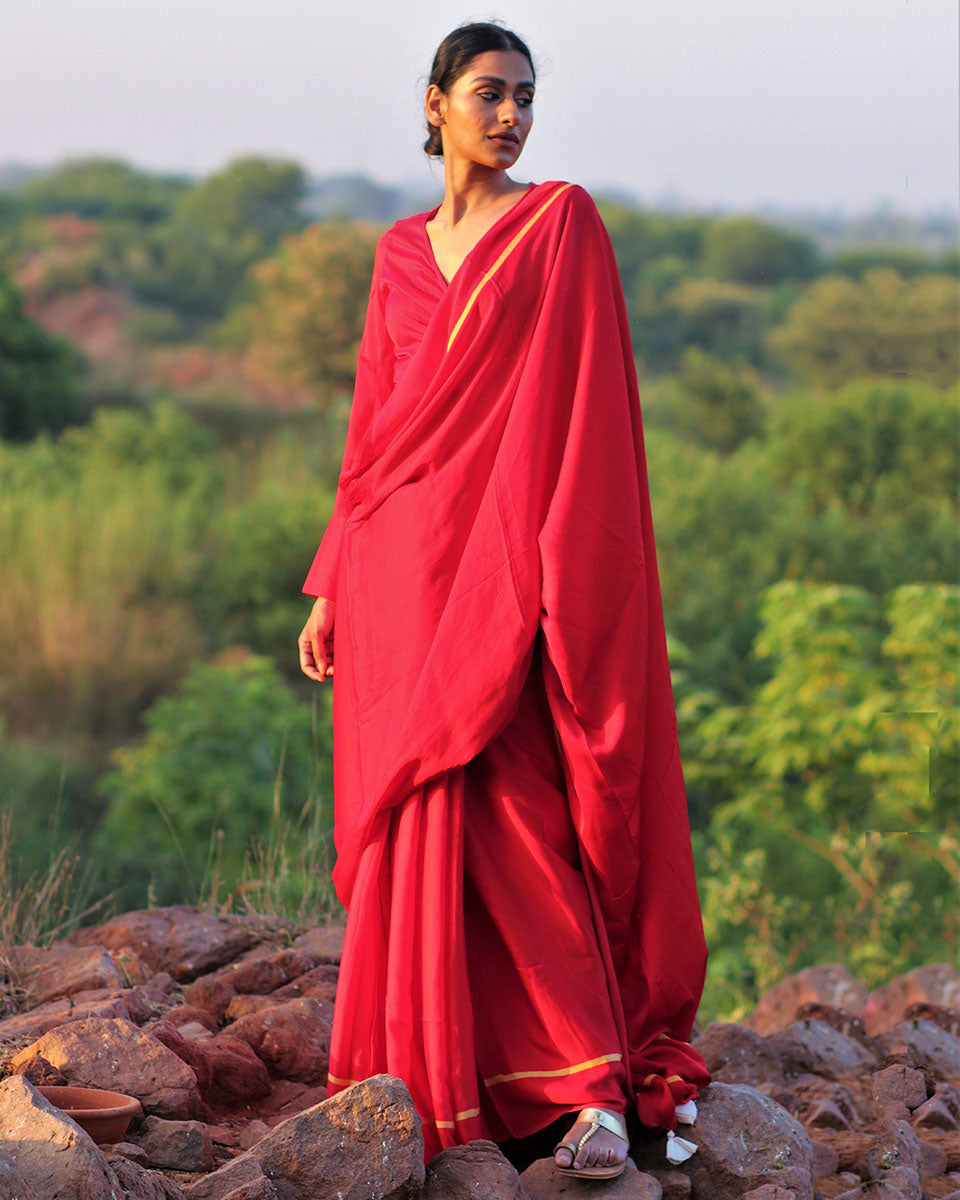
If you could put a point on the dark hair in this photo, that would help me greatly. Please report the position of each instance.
(454, 55)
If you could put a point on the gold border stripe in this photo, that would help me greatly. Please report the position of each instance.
(488, 275)
(593, 1062)
(345, 1082)
(460, 1116)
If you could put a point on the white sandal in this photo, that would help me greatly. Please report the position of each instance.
(596, 1117)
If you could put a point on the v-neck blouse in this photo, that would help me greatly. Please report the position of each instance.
(411, 285)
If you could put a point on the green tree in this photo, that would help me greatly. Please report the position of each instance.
(745, 250)
(232, 746)
(308, 307)
(37, 390)
(883, 325)
(104, 188)
(714, 403)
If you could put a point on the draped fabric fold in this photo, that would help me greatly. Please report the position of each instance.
(493, 527)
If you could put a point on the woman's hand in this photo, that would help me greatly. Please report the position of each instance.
(316, 641)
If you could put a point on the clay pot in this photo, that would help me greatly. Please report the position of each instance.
(104, 1115)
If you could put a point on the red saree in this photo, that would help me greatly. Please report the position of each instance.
(513, 848)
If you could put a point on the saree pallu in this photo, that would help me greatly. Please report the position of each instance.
(492, 558)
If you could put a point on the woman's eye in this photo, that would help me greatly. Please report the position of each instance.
(526, 101)
(488, 95)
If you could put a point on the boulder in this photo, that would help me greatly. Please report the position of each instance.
(116, 1055)
(366, 1142)
(260, 974)
(186, 1014)
(923, 1044)
(211, 994)
(675, 1185)
(543, 1183)
(830, 983)
(13, 1186)
(815, 1046)
(237, 1076)
(938, 983)
(325, 940)
(770, 1191)
(40, 1020)
(826, 1105)
(242, 1006)
(320, 982)
(291, 1039)
(51, 1151)
(476, 1169)
(941, 1111)
(178, 939)
(176, 1145)
(141, 1184)
(898, 1082)
(241, 1179)
(736, 1054)
(52, 972)
(745, 1139)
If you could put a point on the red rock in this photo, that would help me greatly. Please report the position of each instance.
(935, 984)
(736, 1054)
(40, 1020)
(939, 1014)
(252, 1133)
(176, 1145)
(52, 972)
(188, 1052)
(237, 1075)
(127, 1150)
(898, 1082)
(260, 974)
(925, 1045)
(116, 1055)
(210, 993)
(729, 1163)
(933, 1158)
(48, 1149)
(140, 1184)
(676, 1185)
(13, 1186)
(476, 1169)
(826, 1105)
(814, 1046)
(879, 1191)
(543, 1183)
(825, 1158)
(178, 939)
(321, 982)
(41, 1073)
(770, 1191)
(783, 1095)
(242, 1006)
(193, 1031)
(185, 1014)
(840, 1019)
(326, 940)
(292, 1039)
(830, 984)
(365, 1141)
(941, 1111)
(241, 1179)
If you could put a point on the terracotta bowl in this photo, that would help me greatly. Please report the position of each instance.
(104, 1115)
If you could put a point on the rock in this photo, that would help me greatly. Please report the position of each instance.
(366, 1143)
(939, 1014)
(898, 1082)
(935, 984)
(325, 940)
(542, 1182)
(176, 1145)
(38, 1021)
(241, 1179)
(476, 1169)
(745, 1139)
(933, 1159)
(251, 1133)
(41, 1073)
(783, 1095)
(923, 1044)
(736, 1054)
(825, 1158)
(941, 1111)
(187, 1014)
(13, 1186)
(116, 1055)
(320, 982)
(895, 1147)
(141, 1184)
(882, 1191)
(826, 1105)
(260, 975)
(242, 1006)
(237, 1075)
(178, 939)
(211, 994)
(770, 1191)
(193, 1031)
(840, 1019)
(830, 984)
(814, 1046)
(675, 1185)
(292, 1039)
(49, 1149)
(52, 972)
(127, 1150)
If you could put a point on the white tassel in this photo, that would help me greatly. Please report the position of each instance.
(687, 1113)
(678, 1148)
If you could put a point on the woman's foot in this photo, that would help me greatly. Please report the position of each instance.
(602, 1149)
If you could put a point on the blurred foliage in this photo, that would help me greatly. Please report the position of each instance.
(840, 329)
(37, 389)
(745, 250)
(104, 188)
(231, 747)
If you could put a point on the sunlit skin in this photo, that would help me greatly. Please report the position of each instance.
(484, 121)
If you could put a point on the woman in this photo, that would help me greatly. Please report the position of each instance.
(524, 937)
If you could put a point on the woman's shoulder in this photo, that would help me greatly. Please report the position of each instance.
(571, 198)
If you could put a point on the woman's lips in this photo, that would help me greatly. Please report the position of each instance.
(505, 139)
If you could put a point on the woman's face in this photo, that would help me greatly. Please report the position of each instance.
(488, 112)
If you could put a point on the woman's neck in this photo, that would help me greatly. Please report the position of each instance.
(469, 188)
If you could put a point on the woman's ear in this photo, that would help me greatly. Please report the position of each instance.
(435, 104)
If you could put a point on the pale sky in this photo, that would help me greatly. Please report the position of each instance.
(801, 103)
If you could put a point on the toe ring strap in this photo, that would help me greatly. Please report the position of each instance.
(598, 1117)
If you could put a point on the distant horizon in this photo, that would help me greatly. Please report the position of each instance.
(666, 199)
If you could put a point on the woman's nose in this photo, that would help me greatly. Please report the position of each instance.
(509, 113)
